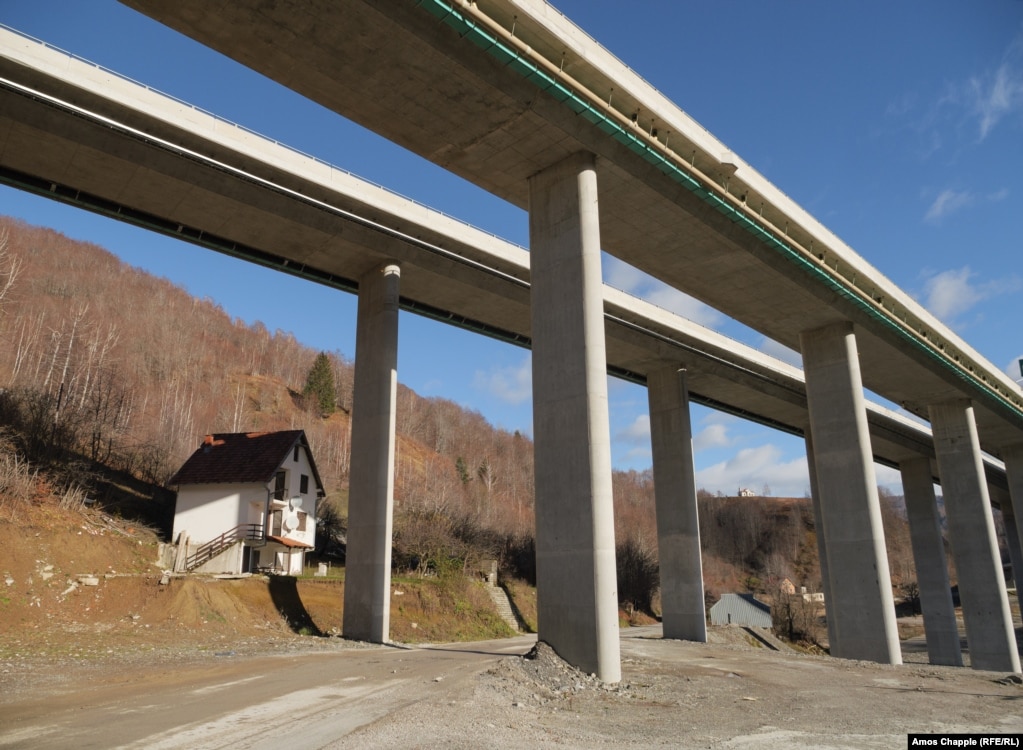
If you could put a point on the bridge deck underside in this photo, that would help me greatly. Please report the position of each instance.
(414, 80)
(255, 197)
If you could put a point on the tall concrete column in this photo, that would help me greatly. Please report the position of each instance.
(683, 612)
(1011, 537)
(577, 590)
(985, 604)
(931, 566)
(367, 613)
(822, 545)
(862, 608)
(1013, 457)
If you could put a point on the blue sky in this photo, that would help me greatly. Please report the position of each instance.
(898, 125)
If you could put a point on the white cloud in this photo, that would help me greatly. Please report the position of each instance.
(890, 479)
(993, 96)
(513, 385)
(950, 201)
(947, 202)
(637, 433)
(631, 280)
(714, 435)
(639, 455)
(621, 275)
(754, 468)
(974, 103)
(949, 294)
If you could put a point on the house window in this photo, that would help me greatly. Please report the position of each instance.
(280, 484)
(303, 484)
(301, 521)
(296, 454)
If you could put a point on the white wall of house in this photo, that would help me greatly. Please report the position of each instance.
(295, 469)
(229, 561)
(205, 511)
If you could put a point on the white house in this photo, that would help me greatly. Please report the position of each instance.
(247, 502)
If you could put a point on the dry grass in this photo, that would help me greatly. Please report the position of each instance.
(19, 483)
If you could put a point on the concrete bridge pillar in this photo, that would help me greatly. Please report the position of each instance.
(822, 545)
(931, 566)
(862, 606)
(367, 613)
(1004, 499)
(577, 591)
(678, 524)
(985, 604)
(1013, 457)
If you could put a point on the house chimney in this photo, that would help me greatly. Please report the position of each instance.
(208, 440)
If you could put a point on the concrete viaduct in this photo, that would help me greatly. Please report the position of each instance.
(82, 135)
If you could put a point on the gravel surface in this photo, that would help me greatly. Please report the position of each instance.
(732, 692)
(724, 694)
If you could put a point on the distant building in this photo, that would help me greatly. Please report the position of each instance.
(245, 502)
(746, 492)
(788, 587)
(740, 609)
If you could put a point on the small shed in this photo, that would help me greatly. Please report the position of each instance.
(740, 609)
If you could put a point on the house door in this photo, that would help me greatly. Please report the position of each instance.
(247, 555)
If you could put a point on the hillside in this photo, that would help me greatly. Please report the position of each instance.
(130, 371)
(107, 370)
(77, 582)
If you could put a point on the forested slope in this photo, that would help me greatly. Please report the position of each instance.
(105, 364)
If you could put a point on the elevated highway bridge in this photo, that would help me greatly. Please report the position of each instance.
(79, 134)
(85, 136)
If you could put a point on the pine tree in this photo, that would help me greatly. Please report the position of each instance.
(319, 385)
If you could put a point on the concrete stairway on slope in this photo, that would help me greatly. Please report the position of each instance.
(503, 605)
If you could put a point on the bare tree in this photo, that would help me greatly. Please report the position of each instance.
(10, 265)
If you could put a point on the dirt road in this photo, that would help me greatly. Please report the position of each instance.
(294, 701)
(724, 694)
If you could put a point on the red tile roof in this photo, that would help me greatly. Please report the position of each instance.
(241, 458)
